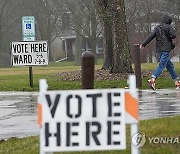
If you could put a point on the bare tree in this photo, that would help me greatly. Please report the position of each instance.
(83, 21)
(3, 7)
(105, 13)
(8, 24)
(85, 25)
(121, 61)
(47, 16)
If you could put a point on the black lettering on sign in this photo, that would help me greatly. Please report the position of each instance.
(109, 105)
(58, 135)
(94, 134)
(15, 48)
(39, 55)
(44, 47)
(22, 59)
(20, 48)
(48, 134)
(117, 114)
(34, 47)
(111, 133)
(94, 101)
(52, 105)
(69, 101)
(70, 133)
(38, 47)
(113, 104)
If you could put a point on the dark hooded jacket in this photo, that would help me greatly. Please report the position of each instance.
(164, 33)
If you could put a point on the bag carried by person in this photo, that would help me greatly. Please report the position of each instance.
(173, 45)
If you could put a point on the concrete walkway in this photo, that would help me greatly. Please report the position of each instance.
(158, 104)
(18, 110)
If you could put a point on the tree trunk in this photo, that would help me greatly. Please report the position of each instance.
(78, 49)
(105, 14)
(108, 45)
(121, 59)
(1, 59)
(93, 29)
(150, 53)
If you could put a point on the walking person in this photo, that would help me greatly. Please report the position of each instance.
(164, 33)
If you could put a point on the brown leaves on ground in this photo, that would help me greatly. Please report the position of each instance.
(100, 74)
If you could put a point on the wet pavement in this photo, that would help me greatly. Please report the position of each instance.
(18, 114)
(161, 103)
(18, 110)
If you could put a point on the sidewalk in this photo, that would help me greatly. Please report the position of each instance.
(161, 103)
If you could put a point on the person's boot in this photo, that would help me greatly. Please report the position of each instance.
(152, 83)
(177, 84)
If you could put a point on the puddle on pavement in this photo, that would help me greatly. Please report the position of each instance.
(159, 104)
(18, 114)
(18, 110)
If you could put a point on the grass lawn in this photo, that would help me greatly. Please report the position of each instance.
(164, 127)
(17, 78)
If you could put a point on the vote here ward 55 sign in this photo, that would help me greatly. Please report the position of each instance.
(83, 120)
(29, 53)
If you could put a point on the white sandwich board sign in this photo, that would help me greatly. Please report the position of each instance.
(86, 120)
(29, 53)
(83, 120)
